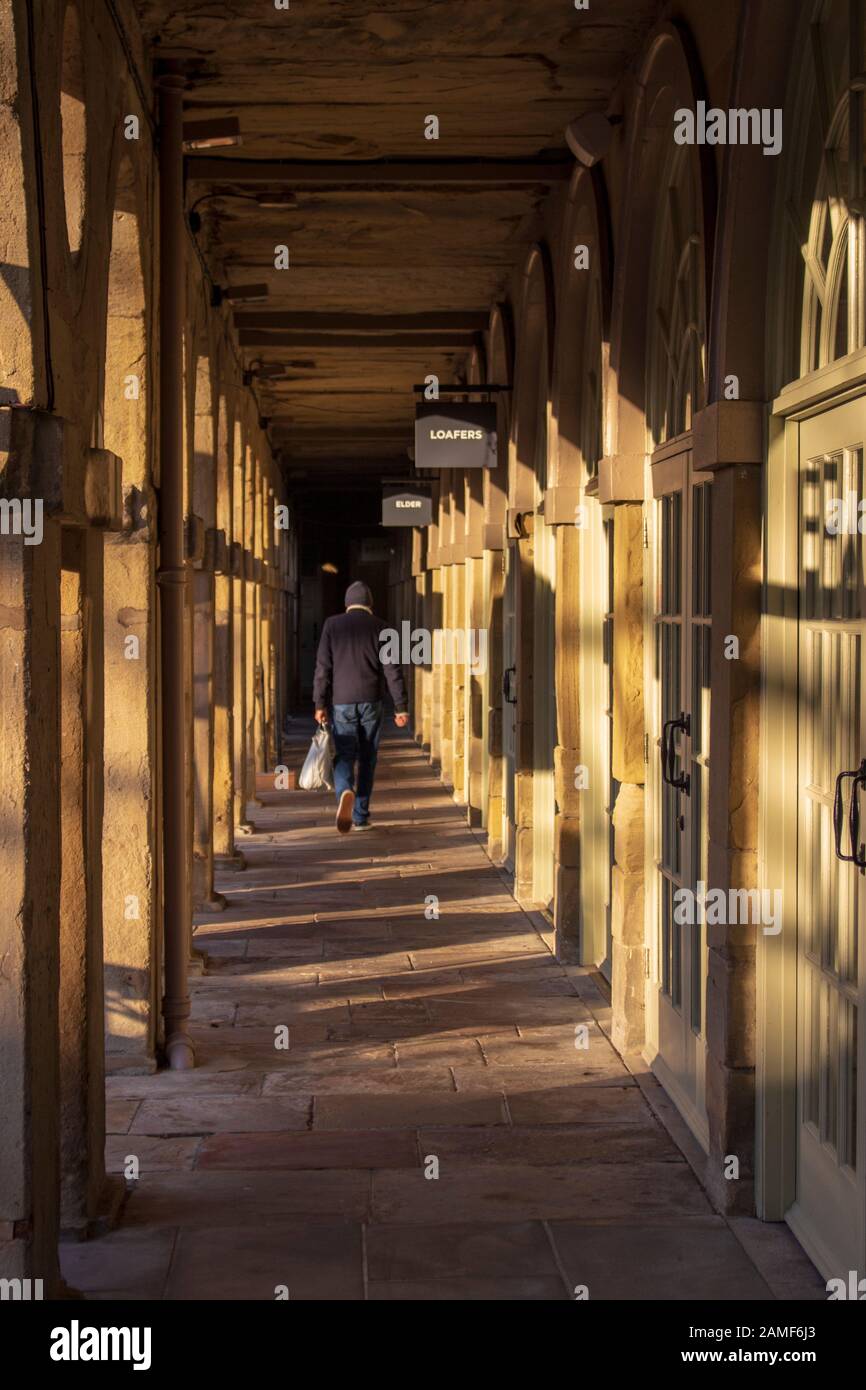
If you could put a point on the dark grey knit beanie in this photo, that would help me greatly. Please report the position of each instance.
(358, 593)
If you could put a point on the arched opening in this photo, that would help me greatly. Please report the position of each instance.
(662, 568)
(73, 128)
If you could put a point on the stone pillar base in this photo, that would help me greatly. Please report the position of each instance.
(235, 861)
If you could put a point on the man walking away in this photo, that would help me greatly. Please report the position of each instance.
(349, 678)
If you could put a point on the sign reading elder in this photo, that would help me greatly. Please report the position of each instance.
(462, 435)
(406, 504)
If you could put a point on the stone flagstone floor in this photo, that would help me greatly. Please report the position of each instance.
(410, 1039)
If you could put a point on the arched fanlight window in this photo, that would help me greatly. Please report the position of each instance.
(828, 220)
(676, 333)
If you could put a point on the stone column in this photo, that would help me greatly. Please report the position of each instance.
(442, 619)
(524, 557)
(204, 485)
(628, 950)
(493, 751)
(259, 759)
(130, 858)
(566, 843)
(30, 854)
(243, 826)
(84, 1188)
(250, 629)
(457, 656)
(728, 439)
(225, 855)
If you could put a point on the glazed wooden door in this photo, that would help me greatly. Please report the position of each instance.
(678, 777)
(830, 1210)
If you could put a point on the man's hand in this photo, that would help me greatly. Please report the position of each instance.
(321, 716)
(401, 720)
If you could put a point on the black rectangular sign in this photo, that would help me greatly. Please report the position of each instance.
(406, 504)
(462, 435)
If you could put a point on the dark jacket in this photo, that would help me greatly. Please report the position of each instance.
(348, 668)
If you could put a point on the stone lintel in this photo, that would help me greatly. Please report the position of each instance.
(727, 433)
(444, 555)
(492, 535)
(621, 478)
(560, 505)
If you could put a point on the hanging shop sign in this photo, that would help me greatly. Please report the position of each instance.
(406, 504)
(462, 435)
(375, 552)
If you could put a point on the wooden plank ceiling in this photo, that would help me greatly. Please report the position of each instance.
(352, 80)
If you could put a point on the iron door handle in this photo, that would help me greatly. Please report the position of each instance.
(858, 851)
(506, 685)
(668, 751)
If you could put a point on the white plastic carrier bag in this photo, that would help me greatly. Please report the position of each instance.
(317, 774)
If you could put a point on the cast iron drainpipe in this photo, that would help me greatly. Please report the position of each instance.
(171, 576)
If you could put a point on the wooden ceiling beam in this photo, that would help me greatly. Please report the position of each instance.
(340, 173)
(464, 321)
(282, 338)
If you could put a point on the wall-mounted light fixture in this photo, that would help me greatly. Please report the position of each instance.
(211, 135)
(328, 568)
(264, 371)
(589, 137)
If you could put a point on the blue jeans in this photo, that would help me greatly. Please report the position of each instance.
(357, 729)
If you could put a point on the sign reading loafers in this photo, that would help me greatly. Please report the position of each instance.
(462, 435)
(406, 504)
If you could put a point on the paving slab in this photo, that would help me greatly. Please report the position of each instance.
(401, 1079)
(407, 1108)
(548, 1145)
(203, 1200)
(354, 1149)
(125, 1263)
(646, 1190)
(119, 1114)
(514, 1290)
(153, 1153)
(638, 1262)
(416, 1254)
(188, 1115)
(302, 1262)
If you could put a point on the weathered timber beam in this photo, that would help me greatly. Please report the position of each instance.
(339, 173)
(464, 321)
(262, 338)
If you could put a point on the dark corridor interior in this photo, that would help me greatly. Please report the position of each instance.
(341, 539)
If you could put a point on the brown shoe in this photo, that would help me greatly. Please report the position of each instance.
(344, 812)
